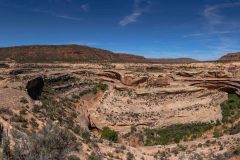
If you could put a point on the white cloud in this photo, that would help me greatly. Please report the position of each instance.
(130, 18)
(209, 33)
(54, 14)
(140, 6)
(85, 7)
(211, 13)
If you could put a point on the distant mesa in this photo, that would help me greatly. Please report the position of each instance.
(75, 53)
(231, 57)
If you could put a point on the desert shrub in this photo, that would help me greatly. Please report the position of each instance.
(77, 129)
(175, 133)
(85, 135)
(5, 110)
(20, 119)
(237, 150)
(55, 109)
(23, 100)
(74, 96)
(133, 129)
(109, 134)
(93, 156)
(73, 157)
(102, 86)
(130, 156)
(52, 142)
(34, 123)
(6, 151)
(36, 109)
(231, 109)
(23, 111)
(217, 133)
(235, 129)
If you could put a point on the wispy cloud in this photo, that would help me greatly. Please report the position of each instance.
(85, 7)
(140, 6)
(209, 33)
(211, 13)
(54, 14)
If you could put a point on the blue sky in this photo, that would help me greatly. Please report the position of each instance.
(200, 29)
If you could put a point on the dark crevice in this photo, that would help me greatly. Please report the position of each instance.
(35, 87)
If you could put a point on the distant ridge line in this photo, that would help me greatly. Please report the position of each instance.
(76, 53)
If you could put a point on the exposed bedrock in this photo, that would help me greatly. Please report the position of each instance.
(187, 73)
(131, 81)
(111, 74)
(218, 74)
(159, 82)
(35, 87)
(84, 122)
(58, 77)
(19, 71)
(230, 86)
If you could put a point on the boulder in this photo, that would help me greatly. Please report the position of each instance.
(84, 122)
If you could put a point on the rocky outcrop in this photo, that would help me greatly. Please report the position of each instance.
(186, 73)
(230, 86)
(218, 74)
(111, 75)
(19, 71)
(4, 65)
(84, 121)
(58, 77)
(159, 82)
(35, 87)
(131, 81)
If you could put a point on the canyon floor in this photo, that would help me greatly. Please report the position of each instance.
(126, 110)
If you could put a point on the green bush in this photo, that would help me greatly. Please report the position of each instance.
(102, 87)
(231, 109)
(217, 133)
(85, 135)
(109, 134)
(175, 133)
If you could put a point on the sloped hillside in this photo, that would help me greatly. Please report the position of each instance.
(74, 53)
(231, 57)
